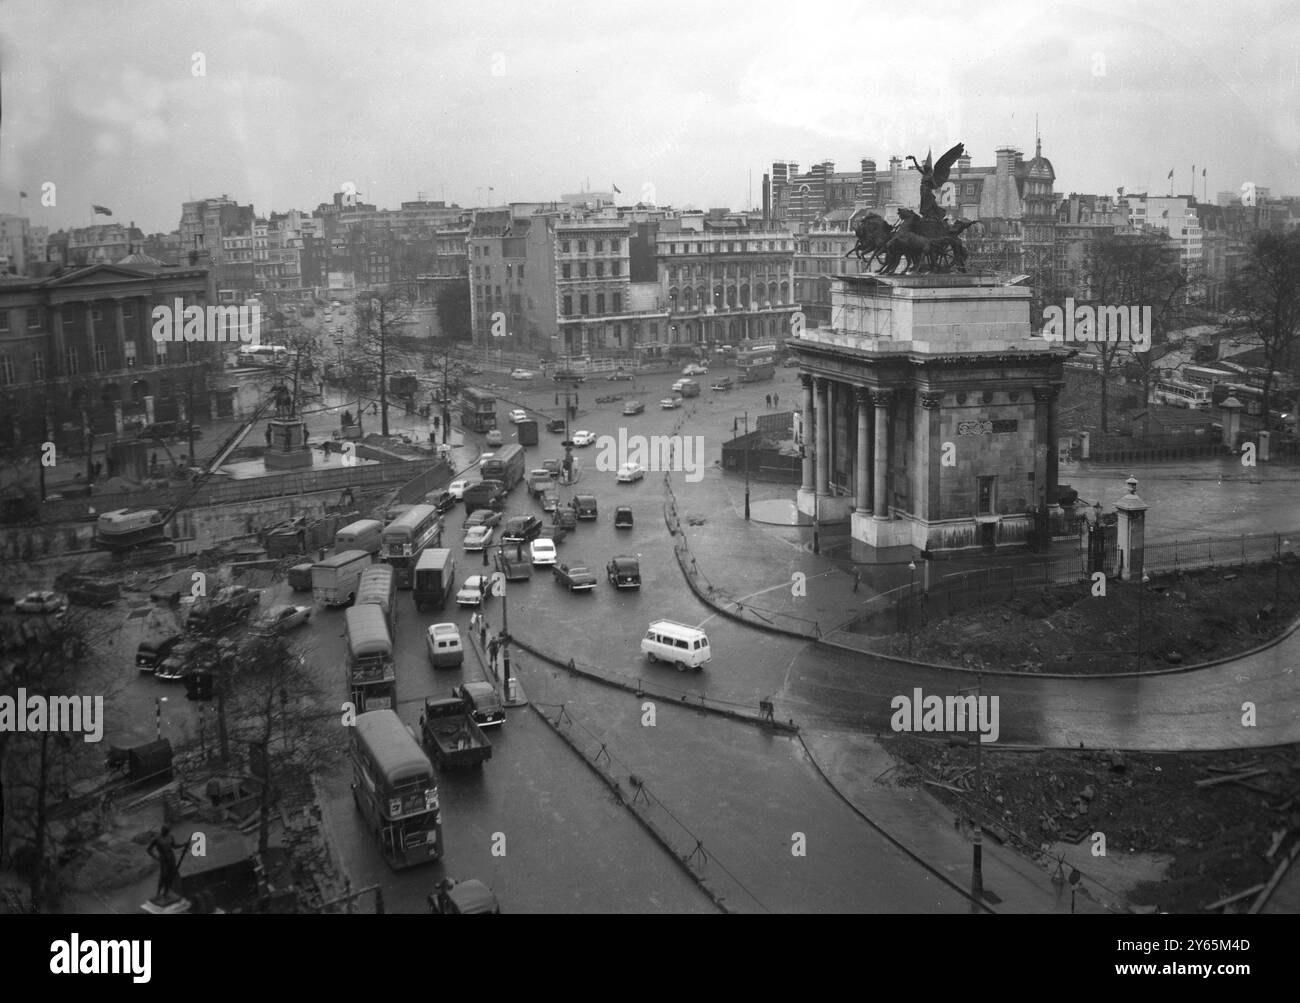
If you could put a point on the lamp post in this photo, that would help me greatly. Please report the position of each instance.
(1141, 588)
(911, 587)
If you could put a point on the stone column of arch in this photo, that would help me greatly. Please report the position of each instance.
(862, 501)
(806, 430)
(882, 398)
(1045, 399)
(823, 437)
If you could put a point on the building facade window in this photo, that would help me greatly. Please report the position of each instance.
(583, 306)
(564, 247)
(70, 360)
(600, 302)
(582, 269)
(96, 314)
(4, 320)
(128, 350)
(566, 271)
(600, 269)
(33, 316)
(101, 357)
(600, 247)
(616, 268)
(7, 374)
(582, 247)
(618, 302)
(38, 366)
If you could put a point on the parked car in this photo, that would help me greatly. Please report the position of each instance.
(522, 374)
(281, 619)
(483, 703)
(238, 596)
(521, 529)
(494, 438)
(695, 369)
(542, 551)
(584, 506)
(482, 517)
(575, 577)
(42, 602)
(518, 415)
(630, 472)
(619, 374)
(478, 537)
(554, 466)
(457, 488)
(584, 438)
(791, 363)
(633, 407)
(474, 591)
(564, 518)
(668, 403)
(173, 666)
(623, 517)
(624, 572)
(550, 499)
(555, 425)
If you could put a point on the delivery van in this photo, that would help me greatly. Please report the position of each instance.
(669, 641)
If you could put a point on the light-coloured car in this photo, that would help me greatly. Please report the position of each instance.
(478, 537)
(282, 618)
(695, 369)
(445, 647)
(522, 374)
(630, 472)
(543, 551)
(457, 489)
(584, 438)
(494, 437)
(668, 403)
(474, 591)
(42, 602)
(518, 415)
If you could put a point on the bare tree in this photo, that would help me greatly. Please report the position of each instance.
(382, 315)
(1133, 270)
(1265, 293)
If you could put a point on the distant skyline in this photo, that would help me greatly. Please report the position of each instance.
(680, 103)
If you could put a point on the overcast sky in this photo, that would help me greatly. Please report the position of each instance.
(678, 102)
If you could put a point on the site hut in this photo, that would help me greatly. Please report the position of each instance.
(929, 412)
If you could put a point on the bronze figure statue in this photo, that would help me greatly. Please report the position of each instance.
(933, 177)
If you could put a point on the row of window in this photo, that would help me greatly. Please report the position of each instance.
(72, 355)
(615, 302)
(730, 297)
(514, 271)
(615, 270)
(615, 246)
(732, 247)
(32, 315)
(731, 271)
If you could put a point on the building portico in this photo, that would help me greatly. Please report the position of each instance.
(929, 413)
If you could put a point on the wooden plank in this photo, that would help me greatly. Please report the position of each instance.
(947, 787)
(1212, 781)
(1249, 764)
(1233, 898)
(1258, 904)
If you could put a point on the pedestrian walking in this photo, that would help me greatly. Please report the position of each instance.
(857, 579)
(482, 631)
(474, 618)
(268, 435)
(768, 399)
(493, 647)
(776, 400)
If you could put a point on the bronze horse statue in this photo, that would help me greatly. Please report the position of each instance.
(873, 232)
(945, 250)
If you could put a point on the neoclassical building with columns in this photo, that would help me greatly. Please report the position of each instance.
(929, 412)
(78, 357)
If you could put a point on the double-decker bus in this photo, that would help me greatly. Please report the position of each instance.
(478, 410)
(126, 528)
(395, 790)
(755, 362)
(406, 537)
(1180, 394)
(377, 586)
(505, 465)
(372, 672)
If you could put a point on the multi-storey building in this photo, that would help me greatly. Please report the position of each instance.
(14, 244)
(78, 356)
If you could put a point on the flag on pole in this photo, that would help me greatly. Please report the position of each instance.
(617, 189)
(1171, 174)
(22, 195)
(100, 210)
